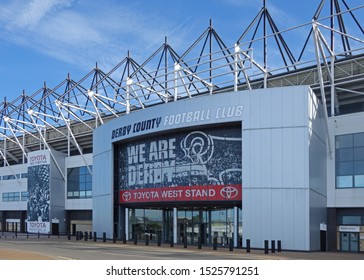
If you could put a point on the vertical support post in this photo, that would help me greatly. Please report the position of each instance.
(23, 156)
(279, 245)
(266, 247)
(129, 81)
(248, 245)
(159, 239)
(126, 233)
(236, 56)
(273, 246)
(104, 237)
(236, 227)
(176, 69)
(175, 225)
(332, 73)
(214, 244)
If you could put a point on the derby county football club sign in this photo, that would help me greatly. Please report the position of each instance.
(203, 165)
(39, 192)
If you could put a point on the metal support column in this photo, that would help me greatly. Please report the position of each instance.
(236, 226)
(175, 225)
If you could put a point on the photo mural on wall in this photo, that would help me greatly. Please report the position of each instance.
(187, 166)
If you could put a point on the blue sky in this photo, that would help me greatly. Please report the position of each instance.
(44, 40)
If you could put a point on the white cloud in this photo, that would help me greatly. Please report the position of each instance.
(83, 32)
(28, 14)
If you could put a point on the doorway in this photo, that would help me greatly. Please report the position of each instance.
(349, 241)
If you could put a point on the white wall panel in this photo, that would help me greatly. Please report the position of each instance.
(287, 158)
(277, 149)
(265, 157)
(288, 219)
(277, 211)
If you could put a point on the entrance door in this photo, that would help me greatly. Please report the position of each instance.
(349, 241)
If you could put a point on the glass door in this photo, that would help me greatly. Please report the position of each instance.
(349, 241)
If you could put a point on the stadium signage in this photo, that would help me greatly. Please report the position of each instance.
(136, 127)
(224, 112)
(35, 227)
(189, 193)
(38, 159)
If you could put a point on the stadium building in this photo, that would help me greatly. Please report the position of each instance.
(213, 143)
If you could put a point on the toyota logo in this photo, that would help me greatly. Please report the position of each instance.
(126, 196)
(229, 192)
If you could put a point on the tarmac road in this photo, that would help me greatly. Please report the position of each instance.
(44, 248)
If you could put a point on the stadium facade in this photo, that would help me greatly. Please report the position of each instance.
(215, 146)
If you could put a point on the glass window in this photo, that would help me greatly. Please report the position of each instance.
(79, 182)
(359, 153)
(351, 220)
(345, 168)
(358, 167)
(359, 139)
(359, 181)
(344, 141)
(11, 196)
(24, 196)
(344, 154)
(5, 197)
(350, 161)
(344, 181)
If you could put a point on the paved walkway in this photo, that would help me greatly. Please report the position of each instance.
(44, 248)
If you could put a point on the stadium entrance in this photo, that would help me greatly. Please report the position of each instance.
(184, 185)
(177, 224)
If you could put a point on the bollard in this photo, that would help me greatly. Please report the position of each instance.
(273, 246)
(86, 235)
(95, 236)
(199, 246)
(38, 234)
(124, 238)
(69, 235)
(279, 245)
(90, 235)
(214, 245)
(231, 245)
(114, 238)
(104, 237)
(171, 241)
(146, 240)
(185, 241)
(248, 245)
(159, 240)
(135, 239)
(266, 247)
(27, 234)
